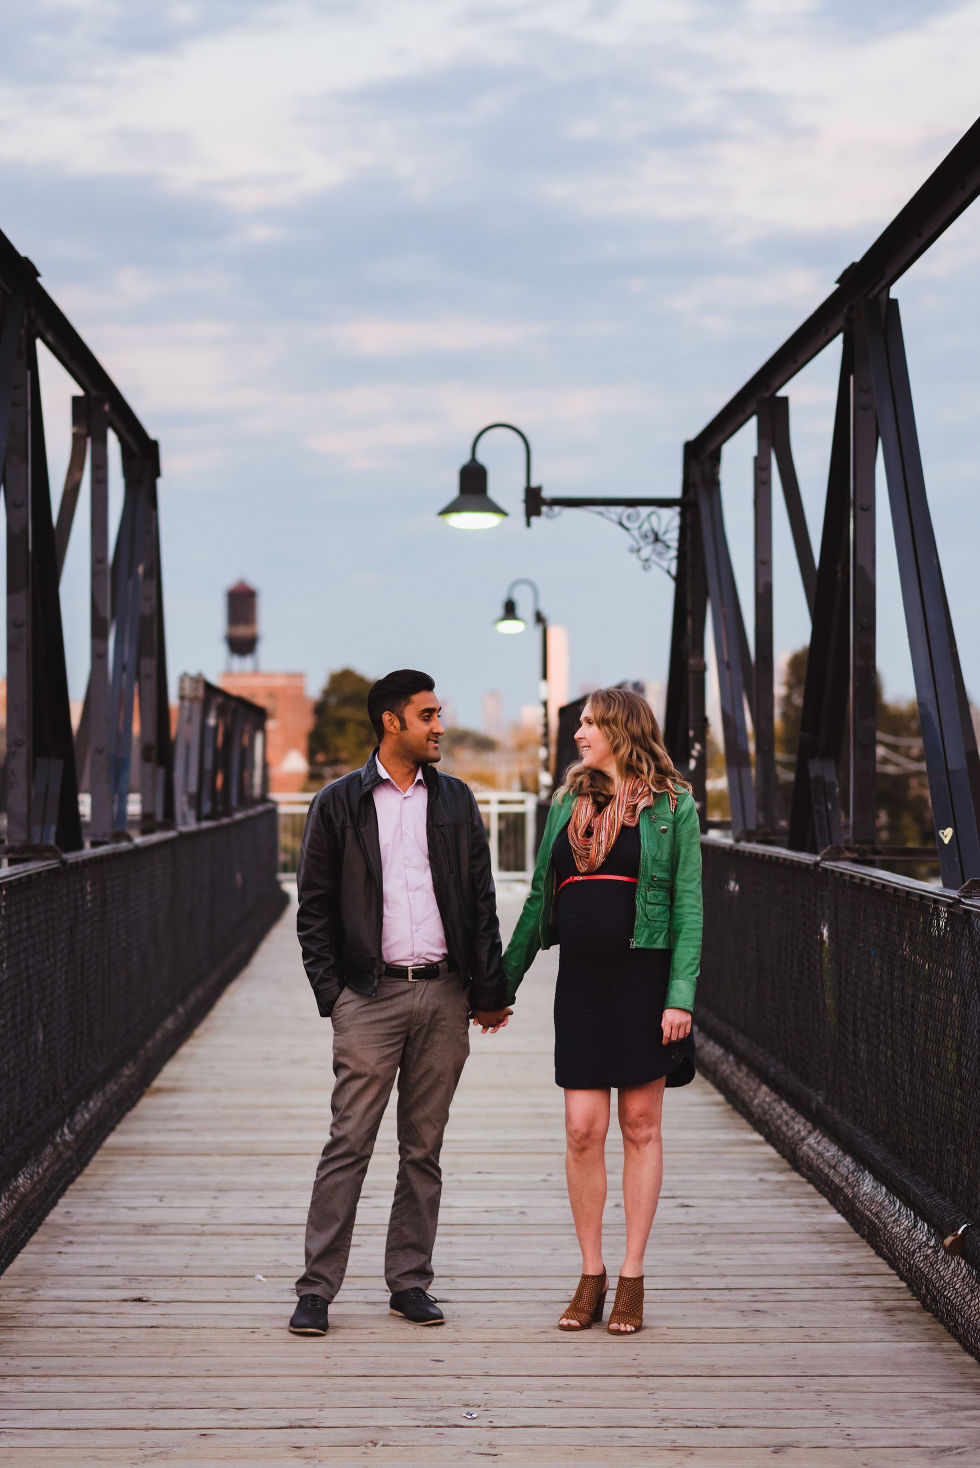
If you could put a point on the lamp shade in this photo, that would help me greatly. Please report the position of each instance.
(472, 509)
(509, 621)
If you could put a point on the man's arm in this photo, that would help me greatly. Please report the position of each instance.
(488, 992)
(317, 882)
(489, 1021)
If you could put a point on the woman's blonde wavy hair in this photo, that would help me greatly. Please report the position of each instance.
(631, 729)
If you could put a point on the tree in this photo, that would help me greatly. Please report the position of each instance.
(341, 737)
(904, 811)
(791, 705)
(471, 756)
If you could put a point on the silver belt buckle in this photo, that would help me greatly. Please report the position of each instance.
(411, 972)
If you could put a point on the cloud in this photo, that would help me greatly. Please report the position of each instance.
(719, 304)
(384, 337)
(757, 118)
(369, 425)
(319, 245)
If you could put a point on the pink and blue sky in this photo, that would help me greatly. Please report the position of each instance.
(318, 245)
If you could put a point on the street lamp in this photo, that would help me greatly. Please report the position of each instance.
(473, 509)
(653, 539)
(509, 622)
(664, 532)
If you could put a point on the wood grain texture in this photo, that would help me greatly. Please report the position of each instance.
(146, 1321)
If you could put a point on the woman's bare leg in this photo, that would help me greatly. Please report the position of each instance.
(586, 1125)
(640, 1113)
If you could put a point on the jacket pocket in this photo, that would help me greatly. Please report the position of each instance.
(656, 913)
(657, 893)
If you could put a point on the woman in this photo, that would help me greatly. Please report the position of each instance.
(617, 883)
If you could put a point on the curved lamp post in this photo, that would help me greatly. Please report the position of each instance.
(654, 541)
(510, 622)
(473, 509)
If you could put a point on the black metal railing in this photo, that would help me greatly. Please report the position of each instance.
(850, 998)
(107, 959)
(219, 752)
(855, 996)
(116, 929)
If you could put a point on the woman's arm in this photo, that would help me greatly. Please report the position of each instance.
(685, 911)
(526, 940)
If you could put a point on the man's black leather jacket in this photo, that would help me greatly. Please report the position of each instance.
(340, 900)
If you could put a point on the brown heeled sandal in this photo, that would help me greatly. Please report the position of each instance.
(628, 1306)
(588, 1302)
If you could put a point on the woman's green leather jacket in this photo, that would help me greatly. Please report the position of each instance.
(668, 895)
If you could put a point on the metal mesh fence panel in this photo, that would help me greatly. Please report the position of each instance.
(855, 996)
(107, 959)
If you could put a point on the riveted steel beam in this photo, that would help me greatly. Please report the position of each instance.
(20, 277)
(950, 189)
(948, 740)
(825, 692)
(732, 675)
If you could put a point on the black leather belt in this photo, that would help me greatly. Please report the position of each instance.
(418, 970)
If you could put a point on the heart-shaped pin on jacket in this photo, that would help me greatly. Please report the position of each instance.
(946, 836)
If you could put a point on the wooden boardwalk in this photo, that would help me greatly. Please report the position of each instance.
(146, 1321)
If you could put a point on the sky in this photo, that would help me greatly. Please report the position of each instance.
(319, 245)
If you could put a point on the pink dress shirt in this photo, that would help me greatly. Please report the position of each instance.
(411, 928)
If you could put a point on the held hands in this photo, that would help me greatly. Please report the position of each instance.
(490, 1020)
(676, 1025)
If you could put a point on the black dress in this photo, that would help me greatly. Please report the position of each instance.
(610, 998)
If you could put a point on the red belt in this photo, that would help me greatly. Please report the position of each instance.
(598, 877)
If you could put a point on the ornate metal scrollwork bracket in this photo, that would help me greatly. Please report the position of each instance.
(654, 532)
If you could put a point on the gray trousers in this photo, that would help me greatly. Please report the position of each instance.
(419, 1032)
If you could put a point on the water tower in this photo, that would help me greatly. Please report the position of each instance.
(242, 635)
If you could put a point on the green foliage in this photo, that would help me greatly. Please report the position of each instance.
(341, 737)
(791, 703)
(904, 811)
(467, 741)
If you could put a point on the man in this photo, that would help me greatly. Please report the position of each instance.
(398, 926)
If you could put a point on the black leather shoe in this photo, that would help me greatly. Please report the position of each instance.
(310, 1316)
(418, 1307)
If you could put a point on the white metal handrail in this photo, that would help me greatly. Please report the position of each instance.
(494, 806)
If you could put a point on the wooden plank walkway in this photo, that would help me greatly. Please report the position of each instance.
(145, 1322)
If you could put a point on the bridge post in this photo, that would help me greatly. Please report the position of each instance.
(187, 751)
(154, 713)
(685, 721)
(816, 801)
(54, 816)
(126, 606)
(864, 681)
(17, 487)
(99, 743)
(767, 802)
(948, 739)
(729, 637)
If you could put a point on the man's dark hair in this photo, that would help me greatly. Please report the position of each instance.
(392, 692)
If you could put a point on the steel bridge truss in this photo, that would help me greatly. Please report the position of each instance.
(47, 764)
(838, 723)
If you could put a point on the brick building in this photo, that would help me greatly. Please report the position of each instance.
(289, 712)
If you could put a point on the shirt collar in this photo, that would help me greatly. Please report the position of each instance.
(385, 776)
